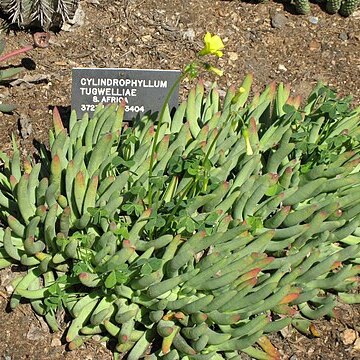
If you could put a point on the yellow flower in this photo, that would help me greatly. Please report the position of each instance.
(212, 45)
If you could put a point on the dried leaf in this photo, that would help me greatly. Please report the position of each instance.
(268, 347)
(314, 331)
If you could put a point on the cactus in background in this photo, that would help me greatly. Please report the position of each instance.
(39, 13)
(344, 7)
(348, 7)
(333, 6)
(302, 6)
(253, 224)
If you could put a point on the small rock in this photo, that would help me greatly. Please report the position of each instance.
(34, 333)
(251, 35)
(43, 323)
(356, 14)
(222, 13)
(233, 56)
(348, 336)
(314, 45)
(9, 289)
(55, 342)
(25, 126)
(5, 92)
(77, 21)
(146, 38)
(222, 93)
(343, 36)
(278, 21)
(207, 84)
(314, 20)
(282, 67)
(357, 344)
(189, 34)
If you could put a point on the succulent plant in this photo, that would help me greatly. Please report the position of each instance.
(248, 223)
(39, 13)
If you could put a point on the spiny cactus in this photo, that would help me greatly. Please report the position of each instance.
(344, 7)
(302, 6)
(252, 222)
(348, 7)
(41, 13)
(333, 6)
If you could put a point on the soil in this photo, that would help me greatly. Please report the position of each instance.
(267, 39)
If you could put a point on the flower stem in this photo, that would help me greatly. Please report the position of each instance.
(16, 52)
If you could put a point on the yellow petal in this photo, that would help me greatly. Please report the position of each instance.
(212, 45)
(216, 43)
(207, 37)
